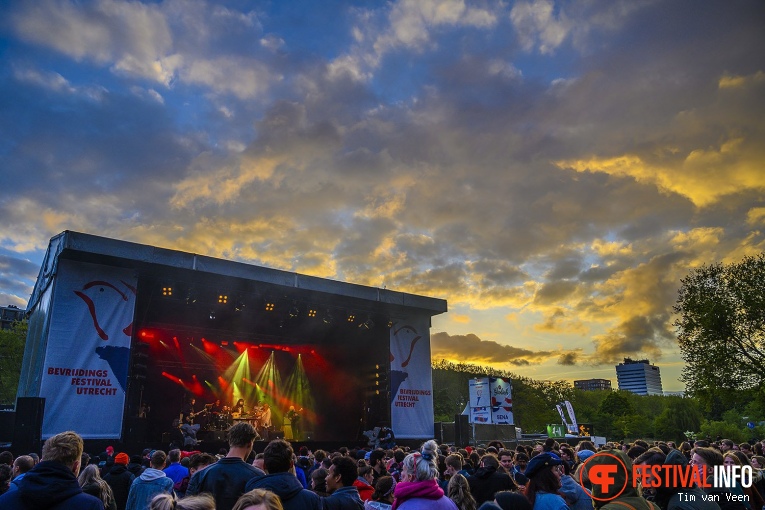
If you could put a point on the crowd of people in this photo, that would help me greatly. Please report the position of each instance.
(546, 476)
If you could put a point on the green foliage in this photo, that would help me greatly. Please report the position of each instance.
(721, 330)
(680, 415)
(616, 403)
(12, 343)
(723, 429)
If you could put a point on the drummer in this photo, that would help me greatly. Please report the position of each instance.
(215, 407)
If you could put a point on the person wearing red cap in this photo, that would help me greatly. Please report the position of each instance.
(119, 479)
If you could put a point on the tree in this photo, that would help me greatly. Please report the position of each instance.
(721, 328)
(11, 355)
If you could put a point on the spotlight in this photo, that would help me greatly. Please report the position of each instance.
(239, 306)
(390, 323)
(212, 315)
(328, 318)
(167, 291)
(367, 324)
(351, 318)
(294, 311)
(222, 299)
(269, 306)
(312, 313)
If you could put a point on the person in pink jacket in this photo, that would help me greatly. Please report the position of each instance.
(418, 488)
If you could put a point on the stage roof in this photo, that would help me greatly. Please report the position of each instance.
(160, 261)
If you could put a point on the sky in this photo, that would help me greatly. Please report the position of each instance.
(551, 169)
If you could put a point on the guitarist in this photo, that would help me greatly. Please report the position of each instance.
(188, 413)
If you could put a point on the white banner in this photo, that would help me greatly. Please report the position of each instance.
(410, 379)
(479, 392)
(501, 401)
(88, 350)
(574, 428)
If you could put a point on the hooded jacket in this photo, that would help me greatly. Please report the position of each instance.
(616, 501)
(120, 480)
(289, 490)
(50, 485)
(487, 481)
(145, 487)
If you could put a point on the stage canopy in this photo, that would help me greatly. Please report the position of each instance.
(123, 335)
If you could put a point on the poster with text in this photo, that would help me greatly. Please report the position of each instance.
(410, 378)
(501, 401)
(479, 392)
(88, 350)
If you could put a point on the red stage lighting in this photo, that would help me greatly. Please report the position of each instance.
(146, 334)
(224, 343)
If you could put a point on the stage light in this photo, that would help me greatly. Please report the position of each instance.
(269, 306)
(239, 306)
(328, 318)
(351, 318)
(222, 299)
(294, 311)
(312, 313)
(367, 324)
(390, 323)
(167, 291)
(212, 315)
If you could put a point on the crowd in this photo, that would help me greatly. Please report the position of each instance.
(547, 476)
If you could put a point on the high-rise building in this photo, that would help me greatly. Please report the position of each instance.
(592, 384)
(639, 376)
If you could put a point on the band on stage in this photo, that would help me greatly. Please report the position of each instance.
(215, 416)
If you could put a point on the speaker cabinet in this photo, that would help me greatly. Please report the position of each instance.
(27, 433)
(462, 432)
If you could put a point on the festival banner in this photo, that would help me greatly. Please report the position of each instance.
(479, 392)
(411, 383)
(501, 401)
(88, 350)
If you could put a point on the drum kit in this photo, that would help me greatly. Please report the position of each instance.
(227, 417)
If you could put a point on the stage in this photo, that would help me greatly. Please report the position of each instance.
(122, 336)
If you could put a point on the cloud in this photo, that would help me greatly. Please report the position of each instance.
(539, 25)
(470, 348)
(134, 37)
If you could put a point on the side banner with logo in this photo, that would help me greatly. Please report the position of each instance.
(501, 401)
(479, 391)
(410, 379)
(88, 350)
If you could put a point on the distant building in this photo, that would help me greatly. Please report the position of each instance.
(639, 376)
(10, 314)
(593, 384)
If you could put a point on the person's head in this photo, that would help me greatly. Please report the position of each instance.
(174, 456)
(258, 462)
(706, 457)
(509, 500)
(384, 489)
(240, 402)
(277, 457)
(241, 435)
(544, 473)
(458, 490)
(192, 401)
(726, 444)
(6, 458)
(158, 459)
(89, 474)
(200, 461)
(319, 456)
(367, 473)
(731, 459)
(258, 499)
(22, 464)
(319, 480)
(65, 448)
(489, 461)
(167, 502)
(758, 462)
(342, 473)
(521, 460)
(421, 465)
(453, 463)
(376, 458)
(505, 459)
